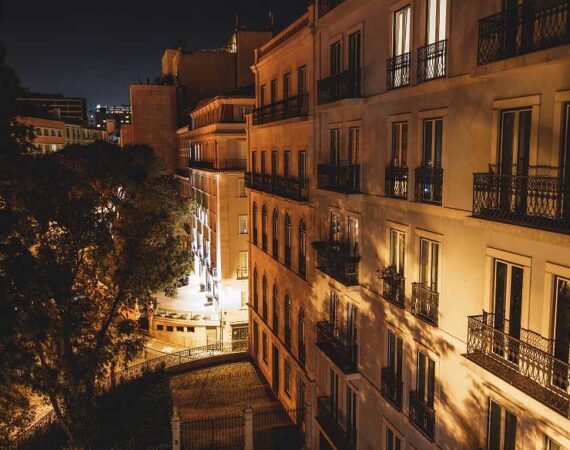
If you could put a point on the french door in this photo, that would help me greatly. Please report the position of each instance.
(395, 355)
(429, 264)
(353, 248)
(336, 58)
(561, 333)
(333, 393)
(565, 161)
(507, 308)
(275, 369)
(336, 156)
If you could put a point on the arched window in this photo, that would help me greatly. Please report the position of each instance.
(275, 233)
(275, 309)
(302, 248)
(287, 320)
(254, 223)
(264, 228)
(301, 335)
(255, 288)
(264, 298)
(288, 240)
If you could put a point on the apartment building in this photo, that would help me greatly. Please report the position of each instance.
(63, 108)
(440, 287)
(80, 134)
(279, 178)
(48, 134)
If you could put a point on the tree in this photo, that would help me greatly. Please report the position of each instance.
(85, 232)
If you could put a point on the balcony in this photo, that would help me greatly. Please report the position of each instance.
(393, 286)
(522, 358)
(398, 71)
(242, 273)
(530, 27)
(392, 387)
(425, 303)
(219, 165)
(343, 178)
(286, 187)
(338, 260)
(432, 61)
(540, 199)
(422, 416)
(339, 350)
(288, 108)
(396, 182)
(342, 434)
(429, 185)
(326, 6)
(339, 86)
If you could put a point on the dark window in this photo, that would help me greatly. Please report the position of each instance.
(169, 328)
(179, 328)
(159, 327)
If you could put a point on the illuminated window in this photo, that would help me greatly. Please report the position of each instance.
(243, 224)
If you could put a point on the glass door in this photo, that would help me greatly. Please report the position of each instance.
(429, 264)
(565, 161)
(395, 354)
(401, 38)
(336, 147)
(561, 333)
(353, 247)
(333, 393)
(336, 58)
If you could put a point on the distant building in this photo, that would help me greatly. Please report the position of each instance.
(80, 134)
(48, 136)
(63, 108)
(120, 114)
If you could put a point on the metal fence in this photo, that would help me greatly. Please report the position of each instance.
(217, 433)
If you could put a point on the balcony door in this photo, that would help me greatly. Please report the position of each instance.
(333, 393)
(336, 156)
(429, 264)
(243, 263)
(336, 58)
(395, 355)
(263, 163)
(507, 308)
(399, 156)
(561, 332)
(354, 61)
(275, 369)
(401, 30)
(333, 309)
(436, 13)
(286, 163)
(425, 380)
(501, 429)
(286, 86)
(335, 227)
(273, 91)
(274, 163)
(302, 165)
(565, 160)
(353, 248)
(351, 333)
(397, 250)
(432, 147)
(350, 409)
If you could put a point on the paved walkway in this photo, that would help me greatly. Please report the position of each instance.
(220, 390)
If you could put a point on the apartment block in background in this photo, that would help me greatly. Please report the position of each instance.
(63, 108)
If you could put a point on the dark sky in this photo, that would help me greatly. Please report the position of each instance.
(94, 49)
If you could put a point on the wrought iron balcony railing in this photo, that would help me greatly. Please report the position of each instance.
(339, 86)
(425, 303)
(287, 187)
(540, 199)
(521, 357)
(242, 273)
(398, 71)
(343, 178)
(326, 6)
(392, 387)
(393, 286)
(396, 179)
(222, 165)
(422, 416)
(530, 27)
(338, 429)
(288, 108)
(429, 185)
(432, 61)
(339, 350)
(338, 260)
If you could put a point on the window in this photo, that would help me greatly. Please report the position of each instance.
(275, 309)
(301, 335)
(514, 143)
(401, 30)
(264, 347)
(243, 264)
(432, 143)
(190, 329)
(263, 163)
(46, 132)
(550, 444)
(287, 320)
(243, 298)
(350, 408)
(565, 149)
(429, 263)
(395, 355)
(336, 156)
(353, 145)
(179, 328)
(254, 162)
(264, 298)
(274, 163)
(286, 163)
(241, 187)
(160, 327)
(275, 232)
(397, 250)
(59, 133)
(353, 244)
(435, 20)
(262, 95)
(302, 80)
(392, 441)
(288, 240)
(286, 86)
(169, 328)
(53, 132)
(336, 58)
(287, 376)
(501, 429)
(399, 144)
(273, 91)
(255, 288)
(333, 308)
(254, 220)
(302, 169)
(264, 228)
(561, 331)
(243, 224)
(302, 248)
(425, 380)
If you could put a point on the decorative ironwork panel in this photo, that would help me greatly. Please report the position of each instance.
(392, 387)
(422, 416)
(398, 71)
(338, 260)
(339, 86)
(286, 187)
(340, 350)
(425, 303)
(396, 179)
(429, 185)
(343, 178)
(297, 106)
(393, 286)
(432, 61)
(337, 428)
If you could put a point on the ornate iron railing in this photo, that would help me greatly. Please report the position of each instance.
(422, 416)
(392, 387)
(339, 86)
(396, 180)
(393, 286)
(429, 185)
(287, 187)
(136, 371)
(242, 273)
(344, 178)
(297, 106)
(342, 433)
(343, 352)
(398, 71)
(530, 27)
(521, 357)
(338, 260)
(425, 303)
(223, 164)
(432, 61)
(535, 200)
(326, 6)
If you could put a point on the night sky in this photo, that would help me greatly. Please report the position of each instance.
(94, 49)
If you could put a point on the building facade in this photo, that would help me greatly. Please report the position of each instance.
(440, 292)
(48, 134)
(63, 108)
